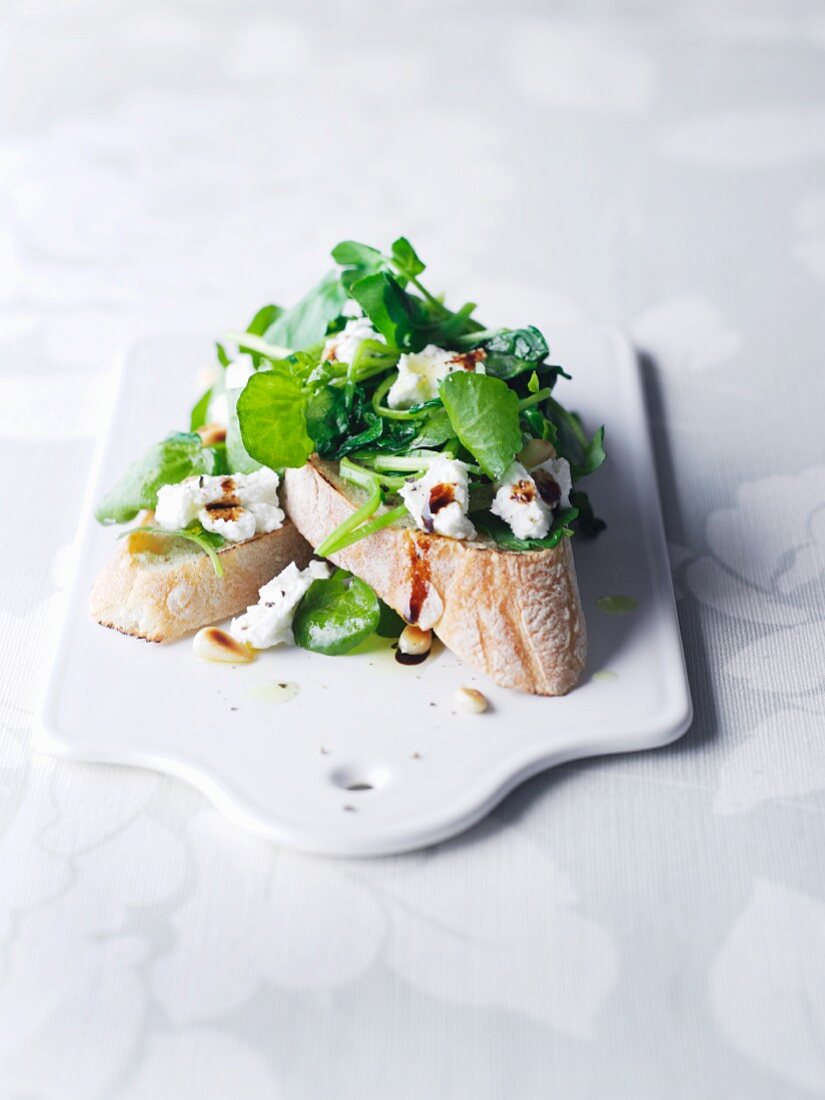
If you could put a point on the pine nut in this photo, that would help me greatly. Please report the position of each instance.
(470, 700)
(415, 642)
(211, 434)
(536, 451)
(213, 644)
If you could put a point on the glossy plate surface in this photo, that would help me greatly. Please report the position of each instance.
(358, 755)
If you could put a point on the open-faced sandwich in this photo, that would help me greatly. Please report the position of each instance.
(424, 455)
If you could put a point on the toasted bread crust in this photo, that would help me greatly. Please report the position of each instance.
(515, 616)
(162, 600)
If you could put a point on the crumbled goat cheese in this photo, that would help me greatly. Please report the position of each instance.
(233, 524)
(236, 507)
(519, 503)
(217, 411)
(269, 621)
(235, 377)
(238, 372)
(420, 373)
(438, 500)
(343, 346)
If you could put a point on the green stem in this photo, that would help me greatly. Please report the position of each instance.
(188, 536)
(367, 529)
(370, 506)
(534, 399)
(412, 463)
(430, 297)
(360, 475)
(461, 319)
(472, 339)
(259, 346)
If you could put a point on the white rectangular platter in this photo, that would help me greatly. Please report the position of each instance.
(360, 755)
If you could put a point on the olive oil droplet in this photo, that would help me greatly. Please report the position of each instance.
(616, 605)
(280, 691)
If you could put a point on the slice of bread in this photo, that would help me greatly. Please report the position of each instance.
(516, 616)
(159, 589)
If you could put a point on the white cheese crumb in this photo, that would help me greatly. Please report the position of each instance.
(438, 501)
(178, 505)
(420, 373)
(238, 526)
(269, 621)
(519, 503)
(237, 506)
(217, 411)
(343, 346)
(235, 377)
(238, 372)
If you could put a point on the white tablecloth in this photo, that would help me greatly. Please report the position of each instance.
(642, 927)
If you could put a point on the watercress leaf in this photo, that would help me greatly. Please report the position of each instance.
(584, 455)
(353, 253)
(300, 365)
(272, 419)
(368, 436)
(498, 530)
(522, 343)
(550, 372)
(197, 418)
(387, 305)
(592, 458)
(327, 419)
(223, 358)
(484, 413)
(587, 523)
(264, 319)
(538, 425)
(390, 623)
(511, 352)
(306, 322)
(179, 456)
(396, 436)
(435, 431)
(406, 259)
(357, 260)
(336, 615)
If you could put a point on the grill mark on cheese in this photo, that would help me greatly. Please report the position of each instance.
(228, 506)
(225, 509)
(523, 491)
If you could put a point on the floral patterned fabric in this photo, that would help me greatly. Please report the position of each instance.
(644, 926)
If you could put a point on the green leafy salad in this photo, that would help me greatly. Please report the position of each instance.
(439, 421)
